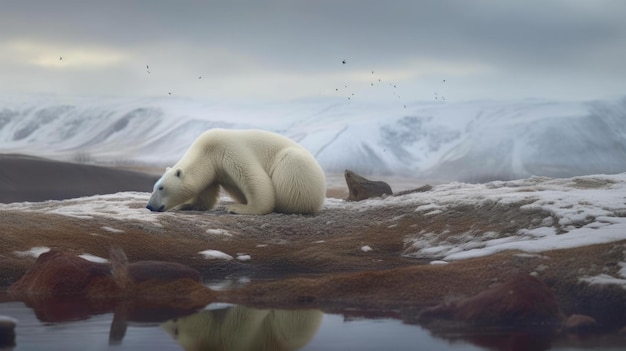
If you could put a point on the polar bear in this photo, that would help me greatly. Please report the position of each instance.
(261, 171)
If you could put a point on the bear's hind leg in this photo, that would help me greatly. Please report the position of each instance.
(253, 186)
(299, 182)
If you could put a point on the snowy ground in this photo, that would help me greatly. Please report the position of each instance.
(581, 211)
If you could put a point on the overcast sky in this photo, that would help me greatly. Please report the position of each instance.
(291, 49)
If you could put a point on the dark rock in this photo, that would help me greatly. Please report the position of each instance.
(361, 188)
(421, 189)
(7, 332)
(61, 286)
(56, 273)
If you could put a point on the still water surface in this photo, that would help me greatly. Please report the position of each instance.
(231, 327)
(225, 327)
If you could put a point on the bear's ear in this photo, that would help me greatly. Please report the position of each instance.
(179, 173)
(167, 169)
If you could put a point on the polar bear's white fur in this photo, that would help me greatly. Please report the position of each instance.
(261, 171)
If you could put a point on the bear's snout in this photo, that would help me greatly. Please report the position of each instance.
(160, 209)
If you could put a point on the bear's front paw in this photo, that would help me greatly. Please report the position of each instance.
(244, 209)
(235, 209)
(185, 208)
(192, 207)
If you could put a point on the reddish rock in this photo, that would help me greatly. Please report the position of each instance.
(524, 301)
(56, 275)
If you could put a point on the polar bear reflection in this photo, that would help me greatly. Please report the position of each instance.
(238, 328)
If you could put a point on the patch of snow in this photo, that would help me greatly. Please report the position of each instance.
(540, 232)
(432, 213)
(429, 207)
(215, 254)
(622, 271)
(603, 279)
(243, 257)
(112, 230)
(244, 280)
(366, 248)
(438, 262)
(226, 284)
(218, 232)
(123, 206)
(93, 258)
(33, 252)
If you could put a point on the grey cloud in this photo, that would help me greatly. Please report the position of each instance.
(314, 36)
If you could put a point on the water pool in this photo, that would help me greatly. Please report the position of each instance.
(232, 327)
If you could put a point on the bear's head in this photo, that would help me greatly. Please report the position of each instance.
(169, 191)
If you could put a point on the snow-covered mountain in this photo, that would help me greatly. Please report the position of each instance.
(473, 141)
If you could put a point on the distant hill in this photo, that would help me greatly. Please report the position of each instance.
(466, 141)
(27, 178)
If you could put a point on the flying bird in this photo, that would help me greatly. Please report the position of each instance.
(343, 62)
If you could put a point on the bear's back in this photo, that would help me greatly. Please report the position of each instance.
(263, 144)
